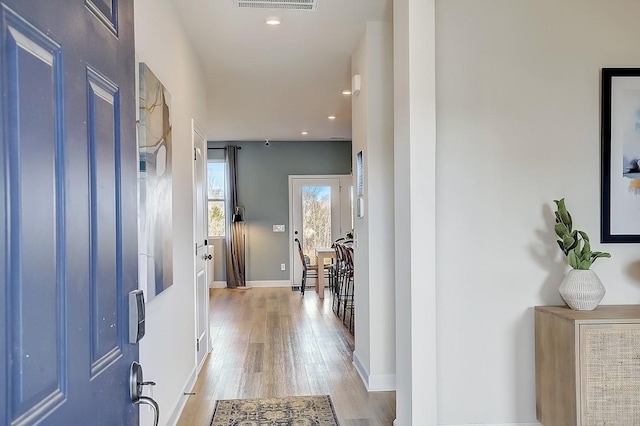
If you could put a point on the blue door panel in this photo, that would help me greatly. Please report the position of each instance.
(35, 308)
(106, 285)
(68, 211)
(105, 11)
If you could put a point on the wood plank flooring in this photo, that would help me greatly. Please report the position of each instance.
(270, 342)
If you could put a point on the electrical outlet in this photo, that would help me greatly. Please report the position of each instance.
(282, 267)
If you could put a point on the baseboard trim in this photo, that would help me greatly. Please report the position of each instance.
(495, 424)
(382, 382)
(182, 401)
(274, 283)
(364, 374)
(395, 423)
(374, 382)
(281, 283)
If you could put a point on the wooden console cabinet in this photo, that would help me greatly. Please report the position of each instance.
(588, 366)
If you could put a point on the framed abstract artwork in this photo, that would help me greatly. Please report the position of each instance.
(155, 195)
(620, 156)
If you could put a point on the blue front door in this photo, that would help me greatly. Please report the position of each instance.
(67, 211)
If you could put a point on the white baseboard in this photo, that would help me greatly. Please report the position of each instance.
(374, 382)
(177, 411)
(364, 374)
(382, 382)
(497, 424)
(281, 283)
(395, 423)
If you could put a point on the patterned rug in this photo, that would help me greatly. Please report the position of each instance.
(291, 411)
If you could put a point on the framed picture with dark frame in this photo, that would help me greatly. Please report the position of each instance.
(620, 156)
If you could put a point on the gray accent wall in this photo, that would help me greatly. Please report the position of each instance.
(263, 189)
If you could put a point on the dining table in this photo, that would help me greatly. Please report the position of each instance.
(322, 253)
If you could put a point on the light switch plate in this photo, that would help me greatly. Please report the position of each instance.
(278, 228)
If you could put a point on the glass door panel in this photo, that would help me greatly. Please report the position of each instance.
(316, 219)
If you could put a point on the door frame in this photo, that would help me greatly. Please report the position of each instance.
(346, 210)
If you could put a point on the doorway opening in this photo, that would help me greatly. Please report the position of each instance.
(320, 211)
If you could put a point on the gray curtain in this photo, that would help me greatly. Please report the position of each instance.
(235, 239)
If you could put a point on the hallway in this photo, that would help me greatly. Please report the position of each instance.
(270, 342)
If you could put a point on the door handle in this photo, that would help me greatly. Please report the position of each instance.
(136, 383)
(206, 257)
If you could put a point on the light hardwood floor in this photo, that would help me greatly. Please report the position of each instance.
(270, 342)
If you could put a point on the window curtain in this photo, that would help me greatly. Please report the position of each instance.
(235, 240)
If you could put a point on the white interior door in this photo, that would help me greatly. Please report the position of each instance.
(320, 212)
(202, 249)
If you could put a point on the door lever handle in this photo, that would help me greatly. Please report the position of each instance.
(151, 402)
(136, 382)
(206, 257)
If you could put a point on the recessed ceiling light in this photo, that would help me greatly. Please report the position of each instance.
(304, 132)
(272, 20)
(346, 92)
(331, 117)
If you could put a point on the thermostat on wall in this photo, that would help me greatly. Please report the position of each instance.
(278, 228)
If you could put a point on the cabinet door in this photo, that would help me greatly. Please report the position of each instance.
(609, 374)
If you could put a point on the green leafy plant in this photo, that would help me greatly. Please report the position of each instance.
(573, 243)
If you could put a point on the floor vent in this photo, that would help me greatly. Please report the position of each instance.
(278, 4)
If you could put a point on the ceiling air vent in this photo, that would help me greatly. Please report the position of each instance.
(278, 4)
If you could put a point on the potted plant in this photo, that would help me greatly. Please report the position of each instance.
(581, 289)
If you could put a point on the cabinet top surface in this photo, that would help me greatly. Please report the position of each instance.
(603, 312)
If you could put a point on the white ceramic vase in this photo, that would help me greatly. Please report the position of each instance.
(582, 290)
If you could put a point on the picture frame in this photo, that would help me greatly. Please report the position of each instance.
(155, 175)
(359, 185)
(620, 156)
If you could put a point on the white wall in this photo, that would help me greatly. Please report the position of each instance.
(167, 352)
(372, 110)
(518, 125)
(359, 133)
(415, 211)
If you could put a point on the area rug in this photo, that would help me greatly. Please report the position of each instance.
(292, 411)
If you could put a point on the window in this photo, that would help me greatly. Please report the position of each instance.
(216, 197)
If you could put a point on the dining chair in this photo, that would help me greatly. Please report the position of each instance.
(303, 283)
(348, 305)
(343, 278)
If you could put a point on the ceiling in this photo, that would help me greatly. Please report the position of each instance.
(273, 82)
